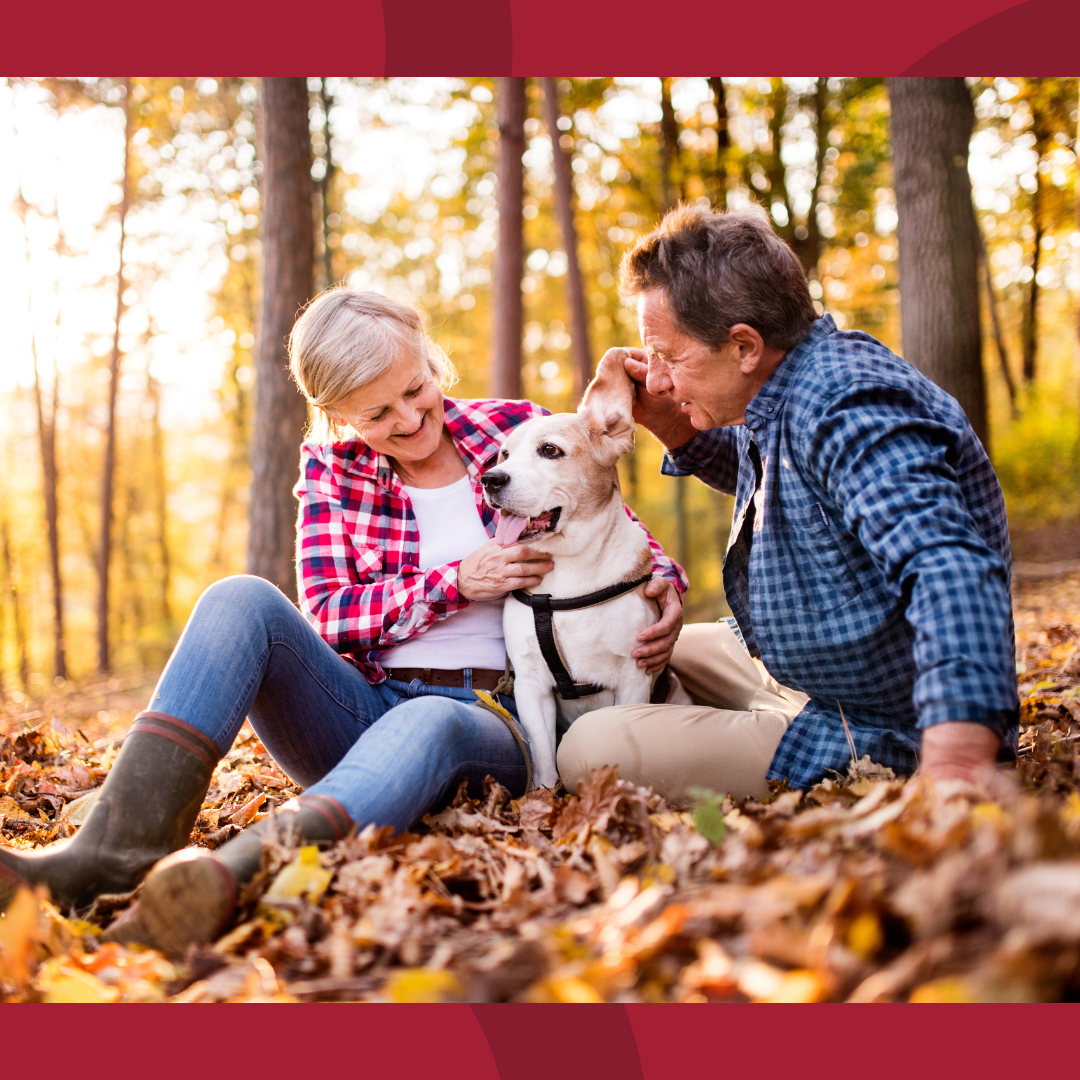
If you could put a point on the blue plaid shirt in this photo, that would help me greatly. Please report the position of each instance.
(868, 564)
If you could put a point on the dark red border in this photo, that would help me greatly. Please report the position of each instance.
(524, 37)
(536, 1042)
(522, 1042)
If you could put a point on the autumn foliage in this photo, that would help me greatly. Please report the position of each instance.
(867, 888)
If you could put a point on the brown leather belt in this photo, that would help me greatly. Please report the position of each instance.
(482, 678)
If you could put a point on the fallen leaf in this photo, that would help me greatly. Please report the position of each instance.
(304, 876)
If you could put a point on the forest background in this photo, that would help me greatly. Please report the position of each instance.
(132, 266)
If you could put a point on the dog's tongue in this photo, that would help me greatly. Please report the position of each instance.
(510, 527)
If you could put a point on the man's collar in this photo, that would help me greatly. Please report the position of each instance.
(770, 397)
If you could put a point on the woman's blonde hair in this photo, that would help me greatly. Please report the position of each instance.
(346, 338)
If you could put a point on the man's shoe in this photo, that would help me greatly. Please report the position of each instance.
(146, 809)
(191, 896)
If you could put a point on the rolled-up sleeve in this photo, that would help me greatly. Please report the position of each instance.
(892, 471)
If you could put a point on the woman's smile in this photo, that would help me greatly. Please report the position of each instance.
(413, 434)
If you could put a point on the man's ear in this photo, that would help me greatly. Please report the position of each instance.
(608, 407)
(751, 346)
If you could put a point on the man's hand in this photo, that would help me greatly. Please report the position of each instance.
(492, 571)
(959, 750)
(660, 638)
(659, 413)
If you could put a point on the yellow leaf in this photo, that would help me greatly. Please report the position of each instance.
(799, 987)
(987, 813)
(64, 985)
(304, 876)
(413, 986)
(864, 936)
(571, 991)
(1062, 652)
(666, 821)
(488, 702)
(21, 928)
(9, 808)
(947, 991)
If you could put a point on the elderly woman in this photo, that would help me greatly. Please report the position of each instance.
(369, 702)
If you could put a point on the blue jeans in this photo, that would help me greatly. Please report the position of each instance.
(387, 753)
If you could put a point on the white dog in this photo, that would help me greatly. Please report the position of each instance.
(557, 487)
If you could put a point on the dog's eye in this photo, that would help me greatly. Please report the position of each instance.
(503, 455)
(550, 451)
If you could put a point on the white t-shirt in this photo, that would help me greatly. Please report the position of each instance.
(450, 528)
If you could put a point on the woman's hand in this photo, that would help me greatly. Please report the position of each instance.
(492, 571)
(660, 638)
(659, 413)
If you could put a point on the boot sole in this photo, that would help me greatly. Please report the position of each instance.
(189, 898)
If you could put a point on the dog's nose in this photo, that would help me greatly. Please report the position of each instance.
(494, 480)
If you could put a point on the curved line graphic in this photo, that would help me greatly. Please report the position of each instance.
(1008, 41)
(584, 1040)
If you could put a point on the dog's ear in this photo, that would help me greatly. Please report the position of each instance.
(608, 407)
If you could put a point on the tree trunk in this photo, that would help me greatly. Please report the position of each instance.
(776, 170)
(288, 256)
(932, 120)
(995, 322)
(723, 135)
(46, 423)
(1029, 326)
(808, 247)
(12, 590)
(47, 441)
(669, 146)
(669, 150)
(510, 256)
(326, 101)
(564, 207)
(108, 471)
(161, 492)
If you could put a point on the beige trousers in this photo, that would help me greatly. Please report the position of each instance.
(723, 742)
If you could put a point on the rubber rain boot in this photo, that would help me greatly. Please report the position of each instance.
(146, 809)
(10, 884)
(191, 896)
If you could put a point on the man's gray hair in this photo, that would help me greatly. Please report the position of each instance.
(720, 268)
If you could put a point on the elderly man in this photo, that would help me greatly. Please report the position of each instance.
(868, 564)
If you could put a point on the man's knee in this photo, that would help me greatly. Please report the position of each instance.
(594, 740)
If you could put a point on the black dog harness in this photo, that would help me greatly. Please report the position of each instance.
(543, 605)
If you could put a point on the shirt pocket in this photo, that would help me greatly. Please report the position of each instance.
(817, 576)
(369, 561)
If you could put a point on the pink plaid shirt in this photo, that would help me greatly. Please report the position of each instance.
(358, 544)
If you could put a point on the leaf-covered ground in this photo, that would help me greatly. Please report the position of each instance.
(867, 888)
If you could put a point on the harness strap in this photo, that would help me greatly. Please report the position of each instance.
(543, 606)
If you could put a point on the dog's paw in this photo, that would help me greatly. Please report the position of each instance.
(545, 777)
